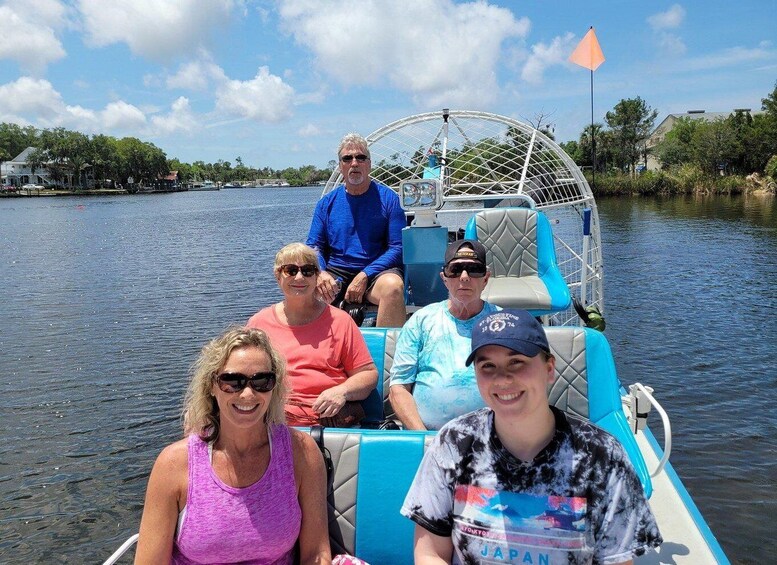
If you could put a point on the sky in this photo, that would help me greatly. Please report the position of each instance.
(279, 82)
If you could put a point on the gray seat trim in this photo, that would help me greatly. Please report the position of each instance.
(569, 392)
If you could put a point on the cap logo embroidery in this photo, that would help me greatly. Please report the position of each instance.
(497, 326)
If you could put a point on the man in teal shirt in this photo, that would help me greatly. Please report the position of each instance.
(430, 382)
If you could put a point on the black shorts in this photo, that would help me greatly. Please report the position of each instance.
(347, 276)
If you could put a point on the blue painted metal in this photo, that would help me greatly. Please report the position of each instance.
(423, 252)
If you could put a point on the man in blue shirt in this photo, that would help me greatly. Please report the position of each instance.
(357, 231)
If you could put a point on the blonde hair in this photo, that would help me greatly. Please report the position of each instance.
(353, 139)
(295, 252)
(201, 411)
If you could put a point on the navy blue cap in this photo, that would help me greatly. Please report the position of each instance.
(514, 329)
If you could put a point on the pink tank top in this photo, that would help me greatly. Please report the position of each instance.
(258, 524)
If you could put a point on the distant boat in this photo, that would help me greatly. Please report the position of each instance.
(204, 185)
(233, 185)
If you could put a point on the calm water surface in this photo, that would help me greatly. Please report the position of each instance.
(107, 300)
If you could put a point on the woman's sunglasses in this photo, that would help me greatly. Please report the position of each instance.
(349, 158)
(236, 382)
(292, 270)
(474, 270)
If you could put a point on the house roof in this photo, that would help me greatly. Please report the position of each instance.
(24, 156)
(701, 115)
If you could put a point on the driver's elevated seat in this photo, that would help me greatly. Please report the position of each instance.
(521, 256)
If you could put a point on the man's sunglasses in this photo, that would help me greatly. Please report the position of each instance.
(359, 158)
(474, 270)
(292, 270)
(236, 382)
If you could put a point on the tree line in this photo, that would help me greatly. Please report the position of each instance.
(740, 144)
(72, 158)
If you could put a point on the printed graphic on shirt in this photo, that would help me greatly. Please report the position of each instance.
(503, 526)
(577, 502)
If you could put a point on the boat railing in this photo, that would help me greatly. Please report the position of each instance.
(116, 555)
(640, 399)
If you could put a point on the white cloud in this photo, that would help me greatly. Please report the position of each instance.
(122, 116)
(730, 58)
(30, 33)
(28, 96)
(196, 75)
(670, 19)
(179, 119)
(36, 102)
(156, 29)
(440, 52)
(265, 98)
(543, 56)
(309, 130)
(671, 44)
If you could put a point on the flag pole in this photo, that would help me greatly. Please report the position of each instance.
(593, 137)
(588, 54)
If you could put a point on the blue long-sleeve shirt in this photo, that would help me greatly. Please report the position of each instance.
(358, 233)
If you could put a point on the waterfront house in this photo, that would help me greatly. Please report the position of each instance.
(658, 135)
(18, 171)
(167, 183)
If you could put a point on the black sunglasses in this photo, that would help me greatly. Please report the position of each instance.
(292, 270)
(474, 270)
(361, 158)
(236, 382)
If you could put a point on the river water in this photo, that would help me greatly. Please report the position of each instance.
(106, 301)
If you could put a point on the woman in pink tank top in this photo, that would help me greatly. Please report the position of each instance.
(241, 487)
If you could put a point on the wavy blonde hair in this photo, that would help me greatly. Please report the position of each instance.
(294, 252)
(200, 410)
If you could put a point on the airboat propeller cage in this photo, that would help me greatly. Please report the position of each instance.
(479, 161)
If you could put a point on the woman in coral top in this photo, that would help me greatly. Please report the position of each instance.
(329, 366)
(233, 490)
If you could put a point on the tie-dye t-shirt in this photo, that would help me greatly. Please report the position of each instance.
(431, 353)
(579, 500)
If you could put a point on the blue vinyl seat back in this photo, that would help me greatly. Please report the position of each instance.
(587, 386)
(521, 256)
(382, 343)
(373, 470)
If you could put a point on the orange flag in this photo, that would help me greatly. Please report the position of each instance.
(588, 53)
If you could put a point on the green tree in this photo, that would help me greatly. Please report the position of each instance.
(104, 158)
(677, 146)
(14, 139)
(144, 162)
(630, 123)
(714, 146)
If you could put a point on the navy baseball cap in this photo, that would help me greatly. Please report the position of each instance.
(514, 329)
(465, 249)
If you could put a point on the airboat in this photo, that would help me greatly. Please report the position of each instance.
(480, 175)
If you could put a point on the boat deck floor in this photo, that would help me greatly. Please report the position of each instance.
(684, 541)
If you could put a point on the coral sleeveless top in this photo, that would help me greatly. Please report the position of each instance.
(258, 524)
